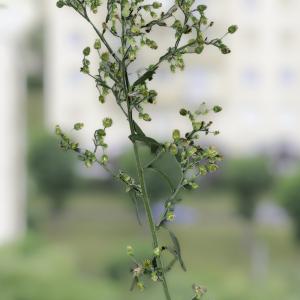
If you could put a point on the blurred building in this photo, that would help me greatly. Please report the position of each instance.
(257, 85)
(15, 19)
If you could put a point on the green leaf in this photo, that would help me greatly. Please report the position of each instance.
(138, 129)
(176, 246)
(146, 76)
(164, 176)
(134, 283)
(150, 142)
(166, 164)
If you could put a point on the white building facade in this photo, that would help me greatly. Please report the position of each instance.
(257, 85)
(14, 22)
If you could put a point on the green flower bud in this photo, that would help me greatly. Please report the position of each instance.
(176, 135)
(104, 159)
(194, 185)
(212, 167)
(146, 117)
(170, 216)
(107, 122)
(129, 250)
(156, 5)
(173, 149)
(88, 163)
(201, 8)
(78, 126)
(224, 49)
(60, 4)
(232, 29)
(191, 151)
(101, 99)
(199, 49)
(183, 112)
(202, 170)
(217, 108)
(86, 51)
(58, 130)
(154, 276)
(105, 56)
(100, 133)
(156, 251)
(197, 125)
(74, 146)
(97, 44)
(140, 286)
(135, 29)
(147, 264)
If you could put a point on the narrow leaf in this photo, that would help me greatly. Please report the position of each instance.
(134, 199)
(133, 284)
(177, 247)
(146, 76)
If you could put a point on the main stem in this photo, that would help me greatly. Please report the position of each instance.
(139, 166)
(148, 210)
(145, 197)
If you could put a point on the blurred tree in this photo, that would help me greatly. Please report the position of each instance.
(248, 178)
(288, 192)
(53, 171)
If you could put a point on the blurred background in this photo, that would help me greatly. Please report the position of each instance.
(64, 228)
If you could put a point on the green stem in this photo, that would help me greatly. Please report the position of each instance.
(140, 169)
(150, 216)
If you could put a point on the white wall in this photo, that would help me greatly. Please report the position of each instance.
(13, 24)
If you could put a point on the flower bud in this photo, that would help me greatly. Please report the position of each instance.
(232, 29)
(60, 4)
(202, 170)
(156, 251)
(58, 130)
(104, 159)
(97, 44)
(78, 126)
(191, 151)
(170, 216)
(140, 286)
(105, 56)
(194, 185)
(129, 250)
(217, 108)
(107, 122)
(201, 8)
(176, 135)
(154, 276)
(101, 99)
(183, 112)
(156, 5)
(212, 167)
(86, 51)
(146, 117)
(173, 149)
(199, 49)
